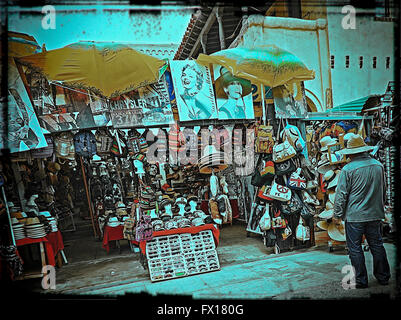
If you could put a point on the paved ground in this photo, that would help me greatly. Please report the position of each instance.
(248, 271)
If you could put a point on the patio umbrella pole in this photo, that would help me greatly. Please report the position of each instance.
(262, 90)
(88, 196)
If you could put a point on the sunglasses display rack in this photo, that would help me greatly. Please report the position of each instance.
(181, 255)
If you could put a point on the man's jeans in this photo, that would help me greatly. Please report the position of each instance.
(371, 230)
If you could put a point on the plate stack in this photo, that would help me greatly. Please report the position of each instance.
(18, 229)
(34, 229)
(53, 224)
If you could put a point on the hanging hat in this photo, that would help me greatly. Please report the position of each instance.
(331, 178)
(355, 144)
(212, 160)
(192, 198)
(336, 231)
(224, 80)
(180, 200)
(332, 195)
(324, 164)
(328, 212)
(324, 225)
(327, 141)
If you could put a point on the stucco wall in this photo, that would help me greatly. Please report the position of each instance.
(369, 39)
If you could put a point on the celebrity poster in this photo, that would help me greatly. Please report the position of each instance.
(145, 106)
(24, 131)
(234, 95)
(193, 91)
(289, 101)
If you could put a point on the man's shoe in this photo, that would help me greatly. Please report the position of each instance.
(361, 286)
(383, 283)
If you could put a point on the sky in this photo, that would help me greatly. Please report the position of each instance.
(99, 22)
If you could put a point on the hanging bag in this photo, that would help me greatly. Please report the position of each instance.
(104, 141)
(265, 222)
(279, 192)
(85, 144)
(297, 180)
(264, 138)
(284, 150)
(302, 232)
(278, 221)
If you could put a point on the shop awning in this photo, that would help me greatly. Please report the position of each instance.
(357, 105)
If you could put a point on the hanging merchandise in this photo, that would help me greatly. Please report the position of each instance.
(45, 152)
(264, 139)
(297, 180)
(302, 232)
(85, 144)
(104, 141)
(279, 192)
(119, 146)
(265, 222)
(283, 151)
(64, 145)
(292, 207)
(264, 193)
(285, 167)
(264, 171)
(278, 221)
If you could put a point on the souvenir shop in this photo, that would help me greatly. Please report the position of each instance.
(139, 172)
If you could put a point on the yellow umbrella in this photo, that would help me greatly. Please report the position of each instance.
(108, 69)
(268, 65)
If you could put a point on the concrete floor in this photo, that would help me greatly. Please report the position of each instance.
(249, 270)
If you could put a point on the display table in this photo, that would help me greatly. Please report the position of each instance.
(56, 241)
(192, 230)
(46, 249)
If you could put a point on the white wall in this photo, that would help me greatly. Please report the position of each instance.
(369, 39)
(306, 39)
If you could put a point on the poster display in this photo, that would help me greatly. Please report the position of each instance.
(24, 131)
(145, 106)
(61, 109)
(234, 95)
(289, 101)
(193, 91)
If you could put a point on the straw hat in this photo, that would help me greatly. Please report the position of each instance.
(324, 164)
(327, 141)
(328, 212)
(337, 231)
(331, 177)
(211, 160)
(324, 225)
(332, 195)
(224, 80)
(355, 144)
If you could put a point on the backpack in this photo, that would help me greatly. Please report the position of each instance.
(144, 229)
(85, 144)
(104, 141)
(64, 145)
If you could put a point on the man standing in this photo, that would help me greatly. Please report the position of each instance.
(359, 202)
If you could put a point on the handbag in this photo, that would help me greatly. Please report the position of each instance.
(264, 139)
(284, 168)
(265, 221)
(264, 172)
(278, 221)
(279, 192)
(284, 150)
(297, 180)
(302, 232)
(263, 193)
(294, 206)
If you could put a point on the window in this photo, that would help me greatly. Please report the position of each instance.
(374, 62)
(332, 62)
(347, 61)
(387, 62)
(360, 62)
